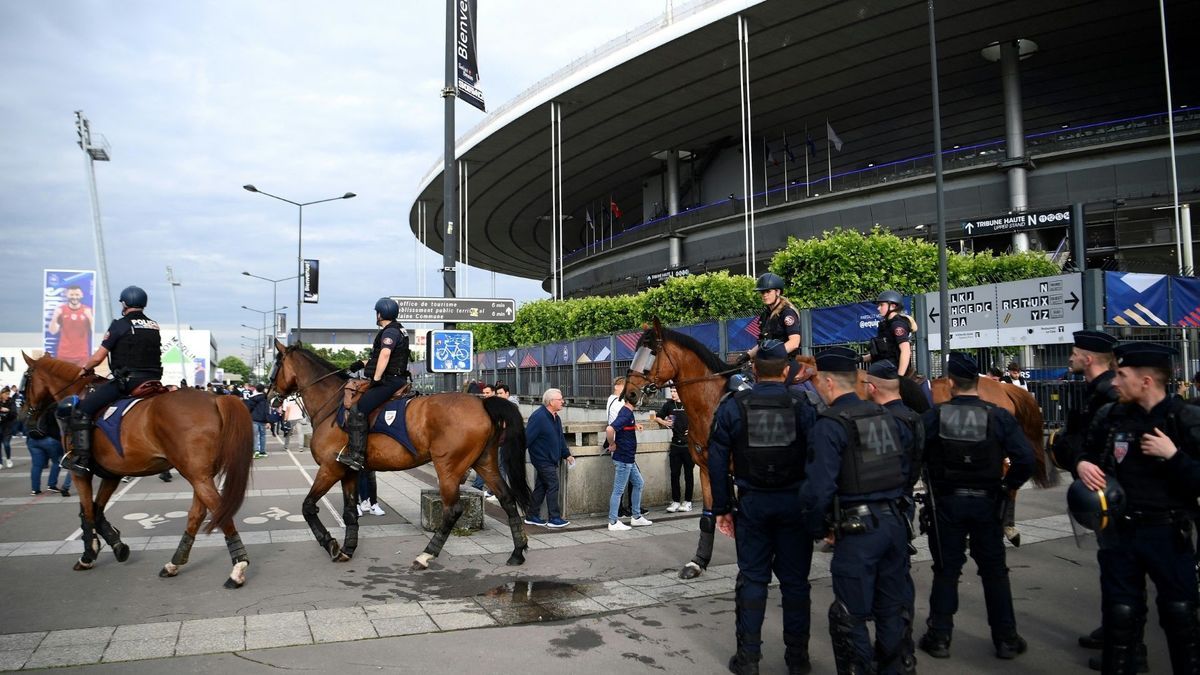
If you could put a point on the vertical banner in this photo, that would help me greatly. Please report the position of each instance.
(311, 280)
(68, 320)
(280, 324)
(464, 47)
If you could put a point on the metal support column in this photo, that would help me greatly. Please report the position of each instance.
(1078, 237)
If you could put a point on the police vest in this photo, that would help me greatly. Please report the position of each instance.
(872, 460)
(397, 361)
(970, 456)
(1145, 478)
(771, 452)
(139, 349)
(770, 324)
(916, 425)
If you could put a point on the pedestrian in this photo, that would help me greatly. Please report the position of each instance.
(862, 456)
(260, 414)
(673, 416)
(547, 448)
(1015, 377)
(1149, 443)
(8, 420)
(966, 442)
(275, 416)
(45, 448)
(994, 373)
(486, 391)
(621, 434)
(612, 407)
(293, 417)
(763, 432)
(367, 494)
(505, 393)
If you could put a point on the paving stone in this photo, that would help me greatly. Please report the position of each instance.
(460, 620)
(448, 606)
(276, 621)
(17, 641)
(262, 537)
(13, 659)
(393, 610)
(73, 655)
(285, 637)
(592, 536)
(143, 648)
(663, 593)
(342, 631)
(577, 607)
(404, 625)
(78, 636)
(210, 643)
(335, 615)
(650, 581)
(37, 548)
(286, 536)
(143, 631)
(200, 627)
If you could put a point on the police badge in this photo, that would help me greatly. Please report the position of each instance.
(389, 416)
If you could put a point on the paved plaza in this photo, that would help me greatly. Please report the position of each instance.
(585, 598)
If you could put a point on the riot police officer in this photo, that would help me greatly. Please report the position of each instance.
(778, 319)
(1150, 442)
(133, 348)
(966, 442)
(893, 342)
(387, 368)
(764, 431)
(860, 464)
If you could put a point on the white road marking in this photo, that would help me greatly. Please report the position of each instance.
(336, 516)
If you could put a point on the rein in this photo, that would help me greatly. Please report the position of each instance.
(323, 406)
(32, 412)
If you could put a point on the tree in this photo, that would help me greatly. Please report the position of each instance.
(342, 357)
(232, 364)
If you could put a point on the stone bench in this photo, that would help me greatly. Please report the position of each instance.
(471, 518)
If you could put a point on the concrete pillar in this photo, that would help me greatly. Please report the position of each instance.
(1185, 221)
(1009, 53)
(672, 182)
(675, 252)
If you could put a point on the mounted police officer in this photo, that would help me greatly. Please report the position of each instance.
(861, 462)
(133, 348)
(387, 369)
(778, 319)
(966, 442)
(1149, 441)
(764, 432)
(893, 342)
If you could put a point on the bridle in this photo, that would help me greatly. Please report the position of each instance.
(33, 412)
(299, 393)
(645, 363)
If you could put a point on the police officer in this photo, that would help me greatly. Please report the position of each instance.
(860, 464)
(387, 368)
(966, 442)
(893, 342)
(1150, 442)
(778, 319)
(133, 348)
(764, 431)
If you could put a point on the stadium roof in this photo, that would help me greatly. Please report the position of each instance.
(863, 66)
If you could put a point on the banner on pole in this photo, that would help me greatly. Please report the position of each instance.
(68, 320)
(464, 47)
(280, 324)
(311, 280)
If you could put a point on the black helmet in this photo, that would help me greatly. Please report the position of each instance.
(387, 308)
(891, 296)
(768, 282)
(133, 296)
(1096, 509)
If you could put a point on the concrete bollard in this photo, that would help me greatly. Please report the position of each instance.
(471, 518)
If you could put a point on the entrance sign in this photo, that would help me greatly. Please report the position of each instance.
(1045, 310)
(1017, 222)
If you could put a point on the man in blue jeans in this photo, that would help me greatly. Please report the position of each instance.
(547, 447)
(260, 412)
(622, 439)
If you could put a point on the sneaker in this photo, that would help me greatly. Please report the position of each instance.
(673, 507)
(558, 522)
(492, 498)
(127, 479)
(65, 493)
(617, 526)
(51, 488)
(364, 506)
(35, 493)
(534, 520)
(259, 455)
(686, 506)
(8, 462)
(641, 521)
(376, 510)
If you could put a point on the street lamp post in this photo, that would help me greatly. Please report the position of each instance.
(264, 312)
(257, 343)
(299, 245)
(274, 289)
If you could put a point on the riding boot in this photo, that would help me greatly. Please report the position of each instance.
(79, 459)
(355, 454)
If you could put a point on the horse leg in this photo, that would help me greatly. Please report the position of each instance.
(520, 540)
(106, 530)
(451, 510)
(708, 526)
(324, 480)
(206, 492)
(195, 516)
(349, 516)
(87, 514)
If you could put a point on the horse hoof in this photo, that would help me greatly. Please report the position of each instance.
(1016, 540)
(341, 557)
(81, 566)
(231, 584)
(121, 551)
(335, 551)
(517, 558)
(690, 571)
(417, 567)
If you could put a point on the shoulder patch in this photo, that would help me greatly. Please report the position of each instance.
(900, 331)
(388, 341)
(789, 320)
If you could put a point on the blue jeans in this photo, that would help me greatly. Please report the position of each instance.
(260, 437)
(366, 486)
(545, 486)
(625, 473)
(43, 451)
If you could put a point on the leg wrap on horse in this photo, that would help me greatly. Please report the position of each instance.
(183, 550)
(111, 534)
(350, 517)
(1182, 627)
(309, 509)
(91, 542)
(708, 525)
(449, 518)
(237, 551)
(1120, 640)
(842, 626)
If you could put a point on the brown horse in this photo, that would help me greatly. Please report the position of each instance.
(200, 434)
(454, 431)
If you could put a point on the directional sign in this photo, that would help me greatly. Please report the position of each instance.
(453, 310)
(971, 315)
(450, 351)
(1017, 222)
(1039, 311)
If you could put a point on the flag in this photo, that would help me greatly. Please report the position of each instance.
(587, 218)
(812, 147)
(833, 137)
(787, 152)
(769, 153)
(614, 209)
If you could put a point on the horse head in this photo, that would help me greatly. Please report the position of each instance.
(647, 372)
(46, 381)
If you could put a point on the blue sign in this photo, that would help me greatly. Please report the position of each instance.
(1133, 299)
(450, 351)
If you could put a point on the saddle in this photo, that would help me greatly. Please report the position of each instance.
(355, 388)
(148, 389)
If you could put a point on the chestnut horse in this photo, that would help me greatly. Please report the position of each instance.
(454, 431)
(200, 434)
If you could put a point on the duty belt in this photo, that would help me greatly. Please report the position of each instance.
(966, 492)
(1151, 518)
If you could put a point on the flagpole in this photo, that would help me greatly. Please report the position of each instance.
(828, 157)
(766, 178)
(786, 149)
(807, 145)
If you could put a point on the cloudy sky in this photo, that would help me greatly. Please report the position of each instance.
(304, 99)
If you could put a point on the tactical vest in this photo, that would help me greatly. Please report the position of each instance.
(970, 456)
(916, 425)
(872, 460)
(771, 453)
(1144, 478)
(140, 349)
(770, 323)
(397, 362)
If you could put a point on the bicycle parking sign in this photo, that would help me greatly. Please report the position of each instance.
(450, 351)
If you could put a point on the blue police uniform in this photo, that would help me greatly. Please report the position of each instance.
(764, 431)
(395, 374)
(860, 463)
(967, 440)
(1154, 536)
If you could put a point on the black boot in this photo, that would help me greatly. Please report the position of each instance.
(79, 459)
(1096, 663)
(1093, 640)
(795, 654)
(744, 663)
(1182, 626)
(1120, 640)
(1009, 646)
(935, 643)
(355, 454)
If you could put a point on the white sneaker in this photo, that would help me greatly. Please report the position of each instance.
(640, 521)
(686, 506)
(8, 462)
(364, 507)
(492, 498)
(673, 507)
(618, 526)
(375, 510)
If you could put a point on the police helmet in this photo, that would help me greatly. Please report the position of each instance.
(133, 296)
(1096, 509)
(387, 308)
(768, 282)
(892, 297)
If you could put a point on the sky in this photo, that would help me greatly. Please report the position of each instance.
(304, 99)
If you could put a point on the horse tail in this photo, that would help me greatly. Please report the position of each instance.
(1029, 416)
(507, 415)
(236, 448)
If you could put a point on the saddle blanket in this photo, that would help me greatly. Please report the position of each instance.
(389, 420)
(109, 421)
